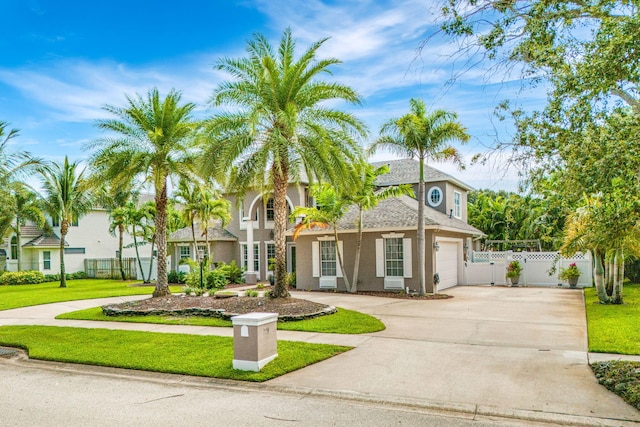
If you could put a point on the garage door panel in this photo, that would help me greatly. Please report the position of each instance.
(447, 262)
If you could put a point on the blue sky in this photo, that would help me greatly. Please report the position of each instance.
(62, 61)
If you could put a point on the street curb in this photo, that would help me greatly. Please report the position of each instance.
(462, 410)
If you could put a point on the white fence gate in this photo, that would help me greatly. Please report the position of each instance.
(490, 268)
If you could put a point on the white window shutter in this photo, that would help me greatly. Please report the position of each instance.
(379, 257)
(339, 247)
(408, 256)
(315, 258)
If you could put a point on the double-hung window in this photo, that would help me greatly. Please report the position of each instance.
(457, 204)
(394, 260)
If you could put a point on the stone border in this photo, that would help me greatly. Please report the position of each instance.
(110, 310)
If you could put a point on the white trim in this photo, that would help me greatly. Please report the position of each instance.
(407, 258)
(247, 365)
(379, 257)
(256, 272)
(315, 259)
(328, 282)
(386, 229)
(340, 249)
(458, 206)
(430, 192)
(393, 282)
(266, 254)
(392, 235)
(326, 238)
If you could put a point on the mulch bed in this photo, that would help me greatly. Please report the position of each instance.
(287, 308)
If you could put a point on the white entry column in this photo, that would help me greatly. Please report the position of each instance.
(250, 276)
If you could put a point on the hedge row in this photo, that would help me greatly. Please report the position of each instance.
(34, 277)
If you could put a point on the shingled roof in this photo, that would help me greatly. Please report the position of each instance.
(44, 241)
(401, 213)
(407, 171)
(216, 232)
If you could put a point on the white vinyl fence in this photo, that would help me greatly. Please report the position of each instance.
(489, 268)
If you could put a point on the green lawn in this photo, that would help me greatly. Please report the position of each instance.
(614, 328)
(208, 356)
(342, 322)
(45, 293)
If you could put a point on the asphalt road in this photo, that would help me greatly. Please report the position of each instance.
(43, 394)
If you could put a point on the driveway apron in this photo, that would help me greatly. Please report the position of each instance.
(508, 348)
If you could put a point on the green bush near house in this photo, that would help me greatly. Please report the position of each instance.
(21, 278)
(232, 272)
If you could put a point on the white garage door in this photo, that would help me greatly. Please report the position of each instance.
(447, 261)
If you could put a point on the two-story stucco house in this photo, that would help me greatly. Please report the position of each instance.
(89, 237)
(247, 239)
(389, 248)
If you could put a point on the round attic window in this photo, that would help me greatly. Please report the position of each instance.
(434, 197)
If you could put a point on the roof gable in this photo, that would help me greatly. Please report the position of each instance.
(407, 171)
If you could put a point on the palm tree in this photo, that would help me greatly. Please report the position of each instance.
(153, 141)
(189, 194)
(67, 198)
(366, 196)
(280, 126)
(13, 166)
(137, 221)
(26, 206)
(212, 208)
(330, 208)
(425, 136)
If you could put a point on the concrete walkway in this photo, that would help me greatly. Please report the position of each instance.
(514, 352)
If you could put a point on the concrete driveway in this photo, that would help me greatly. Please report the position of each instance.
(508, 350)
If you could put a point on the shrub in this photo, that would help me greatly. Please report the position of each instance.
(79, 275)
(187, 290)
(570, 272)
(177, 277)
(290, 280)
(215, 280)
(232, 272)
(21, 278)
(251, 293)
(51, 277)
(514, 268)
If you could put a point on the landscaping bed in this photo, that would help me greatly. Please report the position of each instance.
(383, 294)
(287, 308)
(622, 378)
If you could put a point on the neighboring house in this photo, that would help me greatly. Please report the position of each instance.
(389, 248)
(251, 226)
(87, 238)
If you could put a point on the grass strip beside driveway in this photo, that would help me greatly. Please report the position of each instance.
(342, 322)
(614, 328)
(207, 356)
(17, 296)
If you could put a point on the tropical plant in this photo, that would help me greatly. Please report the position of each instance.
(189, 196)
(212, 208)
(570, 272)
(329, 210)
(25, 206)
(365, 196)
(153, 142)
(115, 199)
(514, 269)
(280, 125)
(67, 197)
(608, 225)
(232, 272)
(425, 136)
(138, 221)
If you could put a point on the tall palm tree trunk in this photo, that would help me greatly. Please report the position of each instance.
(340, 259)
(153, 242)
(598, 275)
(280, 179)
(420, 239)
(19, 245)
(64, 228)
(162, 283)
(356, 266)
(135, 245)
(120, 244)
(195, 242)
